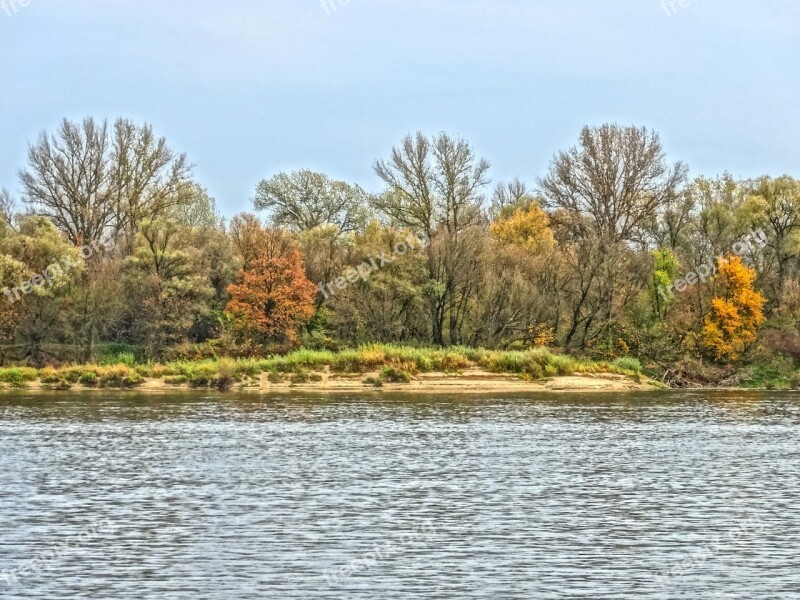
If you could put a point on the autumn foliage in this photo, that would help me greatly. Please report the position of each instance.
(736, 311)
(529, 228)
(272, 300)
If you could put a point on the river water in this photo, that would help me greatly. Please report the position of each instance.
(659, 495)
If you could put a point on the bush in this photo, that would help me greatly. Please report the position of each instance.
(226, 373)
(203, 375)
(123, 358)
(175, 379)
(71, 374)
(88, 378)
(48, 375)
(784, 342)
(299, 378)
(394, 375)
(18, 376)
(450, 361)
(114, 354)
(248, 367)
(119, 376)
(628, 363)
(778, 373)
(564, 365)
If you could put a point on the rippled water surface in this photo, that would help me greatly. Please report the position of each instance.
(664, 495)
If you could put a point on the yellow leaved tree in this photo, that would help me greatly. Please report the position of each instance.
(736, 312)
(526, 227)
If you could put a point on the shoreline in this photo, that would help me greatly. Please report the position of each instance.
(471, 381)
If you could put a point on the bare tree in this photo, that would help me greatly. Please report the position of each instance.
(435, 188)
(95, 183)
(507, 197)
(618, 177)
(433, 182)
(8, 206)
(251, 240)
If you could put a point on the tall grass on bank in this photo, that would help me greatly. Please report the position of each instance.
(394, 363)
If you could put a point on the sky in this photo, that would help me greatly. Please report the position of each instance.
(248, 88)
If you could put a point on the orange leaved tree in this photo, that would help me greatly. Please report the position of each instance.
(736, 311)
(272, 300)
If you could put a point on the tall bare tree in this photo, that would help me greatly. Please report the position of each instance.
(435, 188)
(96, 182)
(617, 177)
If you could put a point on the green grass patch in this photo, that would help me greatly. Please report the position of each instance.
(775, 374)
(628, 363)
(18, 376)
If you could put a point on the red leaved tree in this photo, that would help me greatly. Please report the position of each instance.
(272, 300)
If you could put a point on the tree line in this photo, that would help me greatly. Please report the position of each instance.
(613, 251)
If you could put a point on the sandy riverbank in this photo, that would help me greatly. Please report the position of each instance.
(470, 381)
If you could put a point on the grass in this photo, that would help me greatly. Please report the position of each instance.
(18, 376)
(395, 364)
(774, 374)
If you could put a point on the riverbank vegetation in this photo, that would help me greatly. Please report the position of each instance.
(113, 254)
(394, 364)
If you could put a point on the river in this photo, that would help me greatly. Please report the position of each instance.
(655, 495)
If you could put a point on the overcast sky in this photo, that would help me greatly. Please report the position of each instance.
(251, 87)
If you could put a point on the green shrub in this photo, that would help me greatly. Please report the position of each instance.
(248, 367)
(226, 373)
(14, 376)
(148, 370)
(175, 379)
(72, 374)
(777, 373)
(203, 375)
(564, 365)
(395, 375)
(628, 363)
(89, 378)
(114, 354)
(275, 377)
(373, 381)
(301, 360)
(299, 378)
(119, 376)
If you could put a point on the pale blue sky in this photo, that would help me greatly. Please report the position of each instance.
(251, 87)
